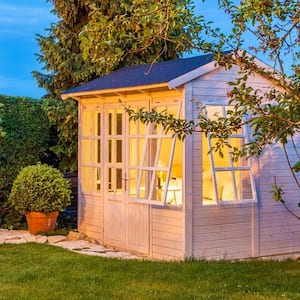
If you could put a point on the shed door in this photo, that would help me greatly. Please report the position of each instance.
(126, 222)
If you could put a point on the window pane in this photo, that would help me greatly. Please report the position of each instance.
(115, 180)
(97, 124)
(218, 160)
(110, 151)
(110, 180)
(96, 151)
(119, 124)
(96, 186)
(110, 123)
(133, 127)
(208, 190)
(119, 151)
(85, 179)
(151, 152)
(133, 152)
(119, 179)
(132, 182)
(85, 151)
(243, 181)
(174, 192)
(86, 123)
(225, 186)
(214, 111)
(164, 155)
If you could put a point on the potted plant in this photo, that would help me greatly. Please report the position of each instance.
(40, 192)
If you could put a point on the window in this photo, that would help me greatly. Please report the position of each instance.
(155, 163)
(91, 151)
(225, 180)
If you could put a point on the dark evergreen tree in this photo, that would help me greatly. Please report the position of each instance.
(65, 66)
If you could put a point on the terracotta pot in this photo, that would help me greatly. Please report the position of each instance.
(41, 222)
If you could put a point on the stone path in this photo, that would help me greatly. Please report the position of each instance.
(74, 241)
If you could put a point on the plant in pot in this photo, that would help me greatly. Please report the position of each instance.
(40, 192)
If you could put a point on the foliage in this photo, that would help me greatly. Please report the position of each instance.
(274, 115)
(40, 188)
(138, 32)
(90, 277)
(63, 117)
(65, 67)
(26, 129)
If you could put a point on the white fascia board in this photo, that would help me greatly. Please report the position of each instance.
(178, 81)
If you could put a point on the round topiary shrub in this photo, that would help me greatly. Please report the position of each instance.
(40, 188)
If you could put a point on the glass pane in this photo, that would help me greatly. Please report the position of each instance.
(119, 151)
(238, 143)
(225, 186)
(133, 152)
(208, 190)
(115, 180)
(141, 128)
(85, 151)
(110, 123)
(132, 182)
(96, 151)
(110, 151)
(214, 111)
(133, 127)
(243, 182)
(164, 155)
(119, 124)
(86, 123)
(144, 187)
(96, 186)
(119, 178)
(174, 192)
(85, 179)
(220, 162)
(151, 152)
(110, 177)
(176, 171)
(98, 124)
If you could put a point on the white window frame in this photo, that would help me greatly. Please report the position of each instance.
(91, 137)
(231, 168)
(156, 168)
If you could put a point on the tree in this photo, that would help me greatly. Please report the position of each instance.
(273, 26)
(67, 64)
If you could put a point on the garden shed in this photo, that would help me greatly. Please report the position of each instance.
(143, 191)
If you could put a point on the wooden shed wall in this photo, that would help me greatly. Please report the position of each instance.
(249, 229)
(279, 231)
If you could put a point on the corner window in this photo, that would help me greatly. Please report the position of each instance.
(225, 180)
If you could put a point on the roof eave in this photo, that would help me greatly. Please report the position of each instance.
(117, 91)
(187, 77)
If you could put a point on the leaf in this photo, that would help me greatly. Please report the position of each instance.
(296, 167)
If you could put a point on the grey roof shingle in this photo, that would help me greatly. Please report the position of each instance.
(160, 72)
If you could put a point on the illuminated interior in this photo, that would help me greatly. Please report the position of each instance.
(142, 161)
(225, 179)
(155, 162)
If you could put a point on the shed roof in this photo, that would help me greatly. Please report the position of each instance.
(148, 74)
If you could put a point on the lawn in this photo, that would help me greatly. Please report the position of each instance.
(35, 271)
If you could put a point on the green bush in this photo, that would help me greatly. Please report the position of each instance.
(40, 188)
(24, 137)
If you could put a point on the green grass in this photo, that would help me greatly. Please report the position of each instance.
(35, 271)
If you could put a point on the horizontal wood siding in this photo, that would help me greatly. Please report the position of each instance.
(279, 231)
(167, 233)
(242, 230)
(90, 216)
